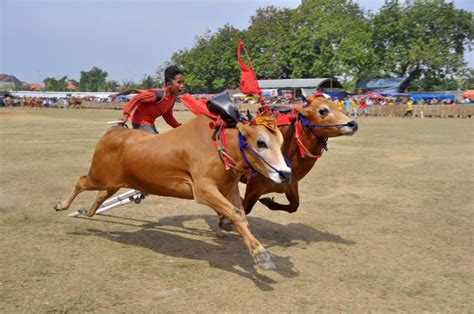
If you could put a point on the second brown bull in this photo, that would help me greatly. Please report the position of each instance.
(315, 123)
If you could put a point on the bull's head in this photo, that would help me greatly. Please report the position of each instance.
(322, 111)
(265, 140)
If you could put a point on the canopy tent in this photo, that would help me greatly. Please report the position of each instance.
(374, 96)
(397, 84)
(419, 96)
(335, 94)
(317, 83)
(396, 94)
(468, 94)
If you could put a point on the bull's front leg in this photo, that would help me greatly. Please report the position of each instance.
(292, 196)
(234, 197)
(211, 196)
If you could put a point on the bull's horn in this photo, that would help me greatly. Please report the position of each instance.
(250, 117)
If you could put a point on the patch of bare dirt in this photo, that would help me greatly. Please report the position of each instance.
(385, 224)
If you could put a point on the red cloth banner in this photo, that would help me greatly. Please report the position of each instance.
(248, 80)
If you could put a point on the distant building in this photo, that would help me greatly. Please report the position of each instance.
(300, 87)
(9, 81)
(380, 85)
(71, 86)
(34, 86)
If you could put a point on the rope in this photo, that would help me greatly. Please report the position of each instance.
(243, 145)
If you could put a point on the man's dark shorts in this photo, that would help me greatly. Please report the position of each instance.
(148, 128)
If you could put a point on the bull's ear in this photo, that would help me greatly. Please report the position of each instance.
(243, 128)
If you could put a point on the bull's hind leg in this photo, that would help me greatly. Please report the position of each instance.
(101, 197)
(255, 189)
(210, 195)
(82, 185)
(251, 198)
(292, 196)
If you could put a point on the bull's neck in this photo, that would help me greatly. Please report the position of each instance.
(314, 145)
(239, 168)
(300, 165)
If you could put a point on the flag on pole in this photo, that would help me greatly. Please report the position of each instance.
(248, 79)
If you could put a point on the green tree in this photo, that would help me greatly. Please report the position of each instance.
(53, 84)
(466, 79)
(331, 38)
(149, 82)
(126, 84)
(94, 80)
(112, 86)
(422, 39)
(267, 46)
(211, 64)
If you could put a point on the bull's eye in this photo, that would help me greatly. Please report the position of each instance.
(261, 144)
(323, 112)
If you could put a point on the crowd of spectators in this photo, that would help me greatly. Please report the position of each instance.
(50, 102)
(351, 105)
(358, 105)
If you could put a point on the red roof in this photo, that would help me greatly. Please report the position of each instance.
(34, 86)
(70, 86)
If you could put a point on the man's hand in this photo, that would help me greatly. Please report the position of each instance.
(124, 118)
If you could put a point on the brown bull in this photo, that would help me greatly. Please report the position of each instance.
(184, 163)
(321, 112)
(74, 102)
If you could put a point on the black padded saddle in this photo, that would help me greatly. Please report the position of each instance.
(222, 105)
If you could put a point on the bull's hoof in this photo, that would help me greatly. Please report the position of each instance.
(226, 225)
(267, 201)
(58, 207)
(264, 261)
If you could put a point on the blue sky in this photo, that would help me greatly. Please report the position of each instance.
(128, 39)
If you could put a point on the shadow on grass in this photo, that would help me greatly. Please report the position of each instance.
(170, 236)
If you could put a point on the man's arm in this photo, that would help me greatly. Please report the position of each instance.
(169, 118)
(147, 97)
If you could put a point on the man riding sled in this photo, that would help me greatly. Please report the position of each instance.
(146, 106)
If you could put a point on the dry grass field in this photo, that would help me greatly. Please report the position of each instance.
(385, 224)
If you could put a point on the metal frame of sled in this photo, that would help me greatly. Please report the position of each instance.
(116, 201)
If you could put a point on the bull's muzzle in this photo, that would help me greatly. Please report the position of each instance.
(354, 125)
(285, 176)
(350, 128)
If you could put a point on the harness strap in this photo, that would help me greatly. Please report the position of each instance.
(243, 145)
(302, 149)
(221, 142)
(311, 127)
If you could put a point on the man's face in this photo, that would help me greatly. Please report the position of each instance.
(176, 86)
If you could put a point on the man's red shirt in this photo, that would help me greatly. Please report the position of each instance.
(144, 109)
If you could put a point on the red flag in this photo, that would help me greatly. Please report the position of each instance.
(196, 106)
(248, 80)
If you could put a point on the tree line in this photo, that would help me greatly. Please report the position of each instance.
(95, 80)
(423, 40)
